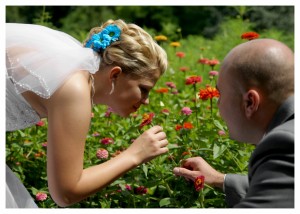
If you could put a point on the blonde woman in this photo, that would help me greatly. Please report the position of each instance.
(52, 75)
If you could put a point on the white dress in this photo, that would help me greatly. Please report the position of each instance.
(38, 59)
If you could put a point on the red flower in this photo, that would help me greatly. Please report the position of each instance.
(141, 190)
(180, 54)
(193, 80)
(183, 69)
(208, 93)
(162, 90)
(40, 123)
(178, 127)
(107, 140)
(147, 119)
(213, 62)
(188, 125)
(203, 61)
(199, 183)
(250, 35)
(165, 111)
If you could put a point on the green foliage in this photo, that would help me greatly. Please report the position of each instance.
(25, 150)
(191, 20)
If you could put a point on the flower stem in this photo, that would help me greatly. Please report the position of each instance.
(196, 105)
(211, 108)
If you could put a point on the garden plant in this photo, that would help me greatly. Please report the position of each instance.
(184, 103)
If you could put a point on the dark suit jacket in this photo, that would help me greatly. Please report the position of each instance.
(270, 180)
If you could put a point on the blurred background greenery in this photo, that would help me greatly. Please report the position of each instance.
(176, 22)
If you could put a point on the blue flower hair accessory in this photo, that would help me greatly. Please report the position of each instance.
(101, 40)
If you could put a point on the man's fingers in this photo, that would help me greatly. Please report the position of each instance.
(183, 172)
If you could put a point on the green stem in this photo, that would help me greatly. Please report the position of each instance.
(168, 188)
(196, 109)
(211, 108)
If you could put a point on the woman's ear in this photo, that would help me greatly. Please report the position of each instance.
(251, 100)
(114, 73)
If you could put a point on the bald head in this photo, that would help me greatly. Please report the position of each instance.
(266, 64)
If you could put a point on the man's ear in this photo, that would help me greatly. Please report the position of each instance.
(251, 100)
(114, 73)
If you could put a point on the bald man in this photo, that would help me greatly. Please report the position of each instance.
(256, 85)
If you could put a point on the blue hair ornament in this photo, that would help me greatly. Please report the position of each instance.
(100, 41)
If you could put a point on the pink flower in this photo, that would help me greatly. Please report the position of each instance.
(102, 154)
(213, 73)
(186, 111)
(221, 133)
(40, 196)
(108, 112)
(170, 84)
(107, 140)
(44, 144)
(95, 134)
(175, 92)
(128, 187)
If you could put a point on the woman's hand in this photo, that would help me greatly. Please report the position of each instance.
(150, 144)
(191, 168)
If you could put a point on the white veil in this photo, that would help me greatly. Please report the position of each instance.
(39, 59)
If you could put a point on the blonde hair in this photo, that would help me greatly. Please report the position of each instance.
(135, 52)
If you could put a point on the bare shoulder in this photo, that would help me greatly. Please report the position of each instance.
(76, 88)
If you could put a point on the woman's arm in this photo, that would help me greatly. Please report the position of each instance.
(69, 113)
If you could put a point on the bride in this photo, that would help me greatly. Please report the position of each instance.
(49, 74)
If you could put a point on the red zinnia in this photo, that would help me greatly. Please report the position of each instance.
(193, 80)
(188, 125)
(162, 90)
(180, 54)
(213, 62)
(178, 127)
(203, 61)
(208, 93)
(40, 123)
(147, 119)
(165, 111)
(199, 183)
(250, 35)
(183, 69)
(107, 140)
(141, 190)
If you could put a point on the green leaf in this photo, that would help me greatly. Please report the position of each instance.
(218, 150)
(165, 202)
(145, 170)
(218, 124)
